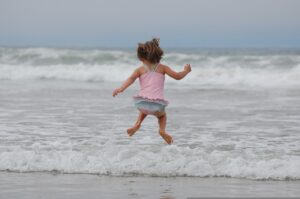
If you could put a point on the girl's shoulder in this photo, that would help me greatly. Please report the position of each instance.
(140, 70)
(161, 68)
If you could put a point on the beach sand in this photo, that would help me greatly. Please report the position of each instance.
(53, 185)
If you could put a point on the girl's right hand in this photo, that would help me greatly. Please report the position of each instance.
(187, 68)
(116, 92)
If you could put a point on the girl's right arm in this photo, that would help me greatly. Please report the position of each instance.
(128, 82)
(178, 75)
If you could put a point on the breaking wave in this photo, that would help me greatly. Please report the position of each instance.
(210, 68)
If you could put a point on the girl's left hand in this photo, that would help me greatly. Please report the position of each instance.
(116, 92)
(188, 68)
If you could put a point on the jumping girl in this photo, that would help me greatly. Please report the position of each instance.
(150, 99)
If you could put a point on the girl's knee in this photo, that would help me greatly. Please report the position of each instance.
(159, 114)
(144, 113)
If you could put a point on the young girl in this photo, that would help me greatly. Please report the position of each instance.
(150, 99)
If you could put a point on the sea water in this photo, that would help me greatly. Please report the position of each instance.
(237, 114)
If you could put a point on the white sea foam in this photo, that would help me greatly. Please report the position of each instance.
(200, 76)
(79, 72)
(209, 69)
(164, 161)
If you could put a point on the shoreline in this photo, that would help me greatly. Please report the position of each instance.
(128, 175)
(58, 185)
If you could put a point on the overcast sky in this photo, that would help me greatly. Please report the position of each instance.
(123, 23)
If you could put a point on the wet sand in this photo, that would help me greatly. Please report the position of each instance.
(53, 185)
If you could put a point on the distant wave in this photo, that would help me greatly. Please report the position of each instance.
(209, 68)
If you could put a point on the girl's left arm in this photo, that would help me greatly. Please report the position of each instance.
(127, 83)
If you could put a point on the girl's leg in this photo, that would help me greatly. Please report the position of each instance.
(137, 125)
(162, 120)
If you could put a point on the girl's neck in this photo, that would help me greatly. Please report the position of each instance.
(148, 64)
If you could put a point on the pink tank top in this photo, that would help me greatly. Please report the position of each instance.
(152, 85)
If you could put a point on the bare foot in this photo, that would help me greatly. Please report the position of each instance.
(166, 137)
(133, 129)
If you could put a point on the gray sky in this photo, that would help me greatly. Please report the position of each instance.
(123, 23)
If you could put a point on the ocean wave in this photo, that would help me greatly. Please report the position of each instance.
(169, 161)
(57, 56)
(200, 76)
(215, 69)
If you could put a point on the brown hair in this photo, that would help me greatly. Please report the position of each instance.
(150, 51)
